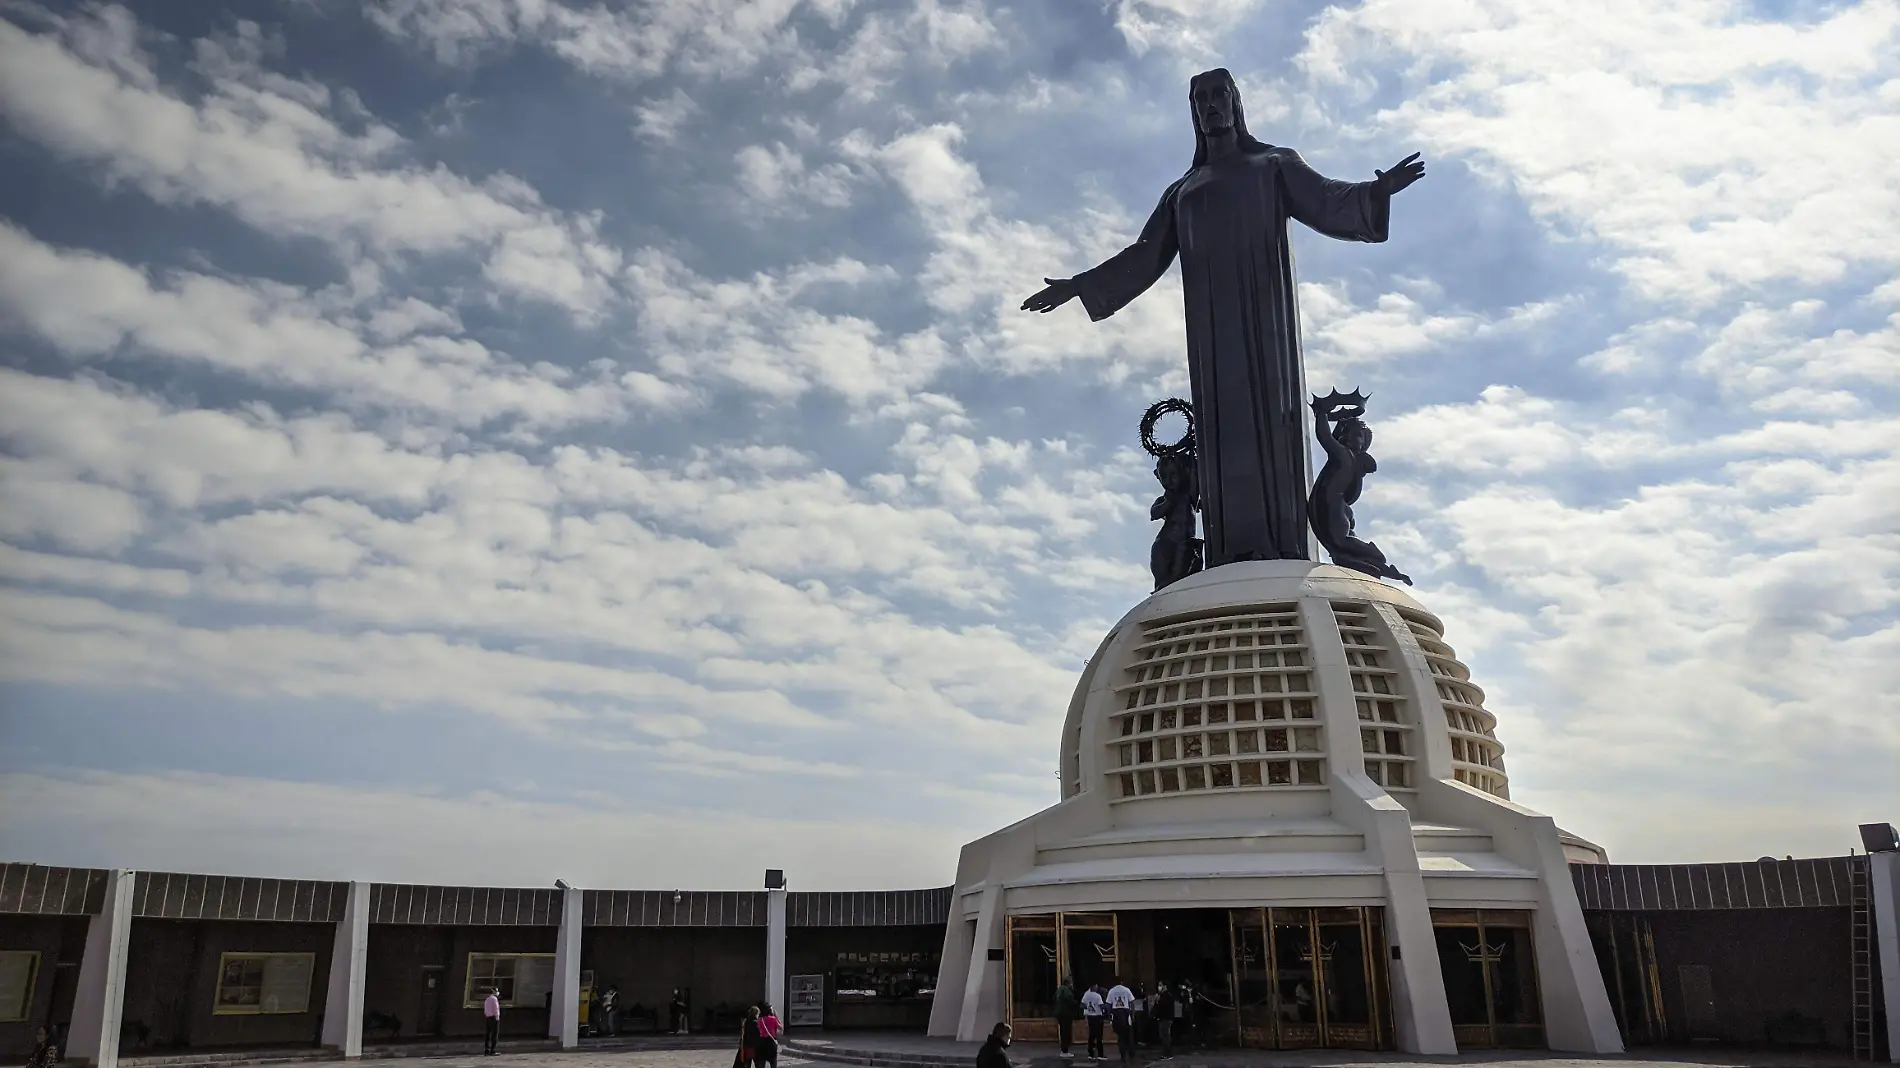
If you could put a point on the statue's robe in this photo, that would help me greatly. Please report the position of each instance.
(1227, 222)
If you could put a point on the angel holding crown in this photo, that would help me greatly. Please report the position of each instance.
(1339, 423)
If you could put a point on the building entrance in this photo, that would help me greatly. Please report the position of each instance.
(1490, 977)
(1279, 978)
(1044, 949)
(1310, 978)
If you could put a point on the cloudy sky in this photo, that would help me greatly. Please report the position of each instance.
(501, 439)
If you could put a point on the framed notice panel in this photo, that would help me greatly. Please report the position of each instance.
(520, 979)
(17, 970)
(263, 983)
(807, 1007)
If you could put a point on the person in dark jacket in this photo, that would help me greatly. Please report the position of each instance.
(992, 1055)
(1164, 1018)
(45, 1053)
(748, 1038)
(1068, 1007)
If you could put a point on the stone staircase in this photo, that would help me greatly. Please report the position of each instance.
(459, 1047)
(388, 1051)
(875, 1058)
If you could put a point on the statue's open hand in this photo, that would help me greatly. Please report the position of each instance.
(1403, 173)
(1059, 292)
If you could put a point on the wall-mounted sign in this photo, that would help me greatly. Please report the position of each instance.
(807, 1005)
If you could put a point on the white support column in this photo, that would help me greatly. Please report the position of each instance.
(99, 1003)
(953, 973)
(1420, 1012)
(983, 986)
(349, 963)
(1884, 869)
(564, 1021)
(775, 932)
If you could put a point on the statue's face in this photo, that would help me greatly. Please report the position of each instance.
(1213, 100)
(1359, 438)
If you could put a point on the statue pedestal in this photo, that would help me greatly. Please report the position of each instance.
(1286, 735)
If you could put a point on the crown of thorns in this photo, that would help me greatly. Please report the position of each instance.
(1185, 446)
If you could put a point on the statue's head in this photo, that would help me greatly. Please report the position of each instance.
(1353, 434)
(1172, 471)
(1214, 100)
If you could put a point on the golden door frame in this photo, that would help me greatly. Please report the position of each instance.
(1043, 1028)
(1485, 1035)
(1323, 1033)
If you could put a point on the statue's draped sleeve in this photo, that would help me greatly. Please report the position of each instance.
(1107, 287)
(1349, 211)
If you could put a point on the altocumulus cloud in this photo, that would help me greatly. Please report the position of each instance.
(606, 431)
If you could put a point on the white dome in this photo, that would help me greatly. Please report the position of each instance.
(1224, 685)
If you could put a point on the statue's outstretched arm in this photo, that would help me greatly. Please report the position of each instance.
(1349, 211)
(1108, 287)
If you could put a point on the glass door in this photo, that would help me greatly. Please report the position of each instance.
(1253, 978)
(1295, 979)
(1349, 1005)
(1040, 951)
(1088, 949)
(1089, 954)
(1490, 972)
(1033, 974)
(1309, 978)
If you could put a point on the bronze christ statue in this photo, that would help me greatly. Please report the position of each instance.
(1226, 219)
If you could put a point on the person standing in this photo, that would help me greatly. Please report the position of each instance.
(678, 1011)
(748, 1038)
(45, 1052)
(765, 1050)
(1163, 1013)
(992, 1055)
(609, 1005)
(1067, 1009)
(1121, 1008)
(491, 1021)
(1092, 1012)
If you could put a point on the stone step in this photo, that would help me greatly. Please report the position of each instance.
(388, 1051)
(875, 1058)
(228, 1057)
(248, 1058)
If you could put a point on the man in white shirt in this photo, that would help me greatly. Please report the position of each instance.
(491, 1021)
(1121, 1007)
(1092, 1008)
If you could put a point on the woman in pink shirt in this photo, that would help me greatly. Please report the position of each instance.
(765, 1050)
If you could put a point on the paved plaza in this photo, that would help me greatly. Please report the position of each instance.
(894, 1050)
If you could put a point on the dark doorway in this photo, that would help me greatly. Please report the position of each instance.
(1193, 956)
(59, 1009)
(429, 1012)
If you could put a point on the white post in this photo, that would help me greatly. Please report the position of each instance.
(349, 961)
(775, 948)
(983, 986)
(99, 1003)
(564, 1022)
(1884, 869)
